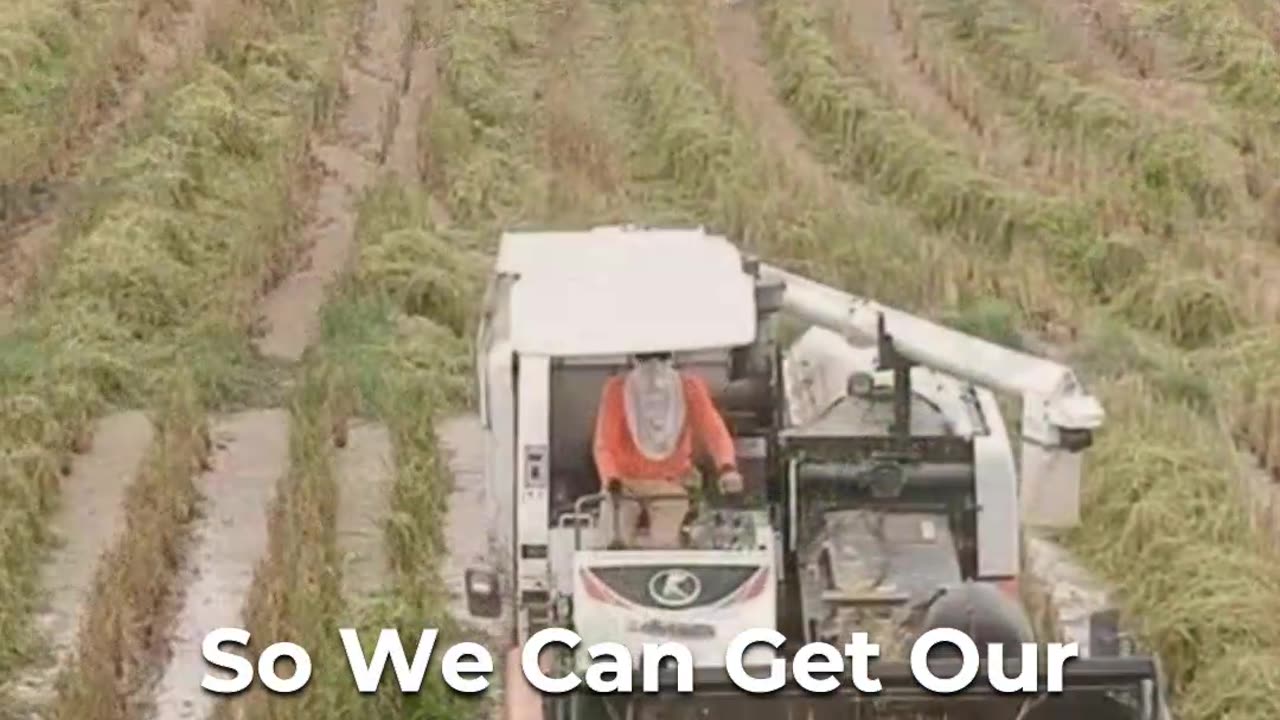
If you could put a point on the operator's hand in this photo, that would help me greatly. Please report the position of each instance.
(730, 482)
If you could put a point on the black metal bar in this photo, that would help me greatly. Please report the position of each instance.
(1104, 632)
(845, 448)
(950, 475)
(901, 367)
(896, 677)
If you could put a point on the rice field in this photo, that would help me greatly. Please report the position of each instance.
(245, 242)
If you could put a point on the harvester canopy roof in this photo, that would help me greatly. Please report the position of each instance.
(619, 290)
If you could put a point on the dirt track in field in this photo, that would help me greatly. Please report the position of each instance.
(90, 520)
(250, 459)
(365, 474)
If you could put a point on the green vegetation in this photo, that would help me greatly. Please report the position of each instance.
(59, 60)
(1135, 241)
(160, 268)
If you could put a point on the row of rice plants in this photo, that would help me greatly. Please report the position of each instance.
(59, 64)
(874, 142)
(735, 182)
(1176, 172)
(196, 210)
(1140, 386)
(394, 349)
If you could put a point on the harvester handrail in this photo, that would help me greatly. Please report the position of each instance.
(613, 495)
(580, 504)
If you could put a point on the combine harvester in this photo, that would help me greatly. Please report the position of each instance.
(881, 491)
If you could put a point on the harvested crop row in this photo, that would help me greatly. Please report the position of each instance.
(157, 39)
(1242, 365)
(477, 156)
(1137, 52)
(130, 599)
(1000, 34)
(160, 269)
(1265, 16)
(1097, 42)
(873, 140)
(1231, 251)
(1222, 48)
(1246, 372)
(1080, 38)
(808, 219)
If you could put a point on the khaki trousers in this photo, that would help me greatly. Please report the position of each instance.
(666, 514)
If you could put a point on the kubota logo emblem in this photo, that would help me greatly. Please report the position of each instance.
(674, 587)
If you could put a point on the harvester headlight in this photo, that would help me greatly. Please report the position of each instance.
(480, 583)
(483, 598)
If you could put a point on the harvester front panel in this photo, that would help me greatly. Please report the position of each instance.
(698, 598)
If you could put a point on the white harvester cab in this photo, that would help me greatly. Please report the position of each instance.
(563, 313)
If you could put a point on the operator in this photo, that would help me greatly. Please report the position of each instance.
(644, 445)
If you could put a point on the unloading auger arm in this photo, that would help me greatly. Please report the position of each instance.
(1058, 416)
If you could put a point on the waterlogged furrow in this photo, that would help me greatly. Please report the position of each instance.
(391, 352)
(229, 540)
(295, 594)
(92, 518)
(376, 80)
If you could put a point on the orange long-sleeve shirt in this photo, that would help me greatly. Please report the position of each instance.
(618, 457)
